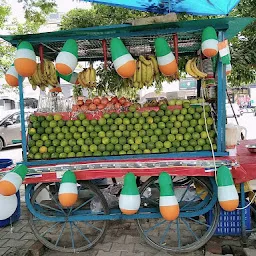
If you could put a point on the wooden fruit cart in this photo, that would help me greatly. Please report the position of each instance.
(79, 228)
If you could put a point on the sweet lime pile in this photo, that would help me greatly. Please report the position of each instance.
(134, 132)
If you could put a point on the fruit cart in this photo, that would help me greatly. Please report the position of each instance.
(80, 227)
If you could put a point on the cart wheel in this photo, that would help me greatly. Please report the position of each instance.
(51, 222)
(191, 230)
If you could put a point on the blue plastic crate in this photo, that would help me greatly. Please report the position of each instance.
(5, 163)
(230, 222)
(16, 215)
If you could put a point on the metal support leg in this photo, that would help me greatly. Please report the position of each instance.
(243, 226)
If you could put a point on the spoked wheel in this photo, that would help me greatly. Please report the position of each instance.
(67, 229)
(192, 229)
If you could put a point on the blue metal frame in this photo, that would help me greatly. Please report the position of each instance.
(115, 214)
(221, 102)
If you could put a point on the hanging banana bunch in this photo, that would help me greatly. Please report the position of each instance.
(87, 77)
(45, 78)
(193, 70)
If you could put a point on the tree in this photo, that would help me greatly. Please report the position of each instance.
(242, 46)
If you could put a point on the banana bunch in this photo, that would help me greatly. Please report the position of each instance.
(146, 72)
(192, 69)
(87, 78)
(45, 78)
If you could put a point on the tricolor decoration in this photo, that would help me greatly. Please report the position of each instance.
(8, 205)
(209, 42)
(129, 200)
(228, 69)
(123, 61)
(12, 181)
(168, 204)
(165, 58)
(72, 78)
(224, 52)
(227, 193)
(11, 76)
(25, 59)
(68, 192)
(66, 60)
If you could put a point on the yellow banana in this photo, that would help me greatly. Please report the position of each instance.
(136, 84)
(144, 60)
(143, 73)
(80, 79)
(149, 73)
(93, 77)
(87, 76)
(189, 70)
(196, 70)
(155, 65)
(32, 82)
(135, 73)
(139, 71)
(36, 78)
(141, 85)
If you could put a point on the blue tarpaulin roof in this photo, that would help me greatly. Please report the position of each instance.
(196, 7)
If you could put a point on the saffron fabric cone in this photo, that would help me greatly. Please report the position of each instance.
(67, 59)
(68, 192)
(227, 193)
(72, 78)
(168, 204)
(165, 58)
(25, 59)
(209, 42)
(224, 52)
(11, 76)
(123, 61)
(129, 200)
(12, 181)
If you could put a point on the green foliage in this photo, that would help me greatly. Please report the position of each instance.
(4, 12)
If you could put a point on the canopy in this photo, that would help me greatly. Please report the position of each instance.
(196, 7)
(138, 39)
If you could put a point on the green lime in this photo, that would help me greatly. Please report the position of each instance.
(152, 113)
(102, 121)
(130, 152)
(199, 109)
(122, 127)
(167, 144)
(77, 123)
(118, 121)
(68, 136)
(129, 115)
(131, 140)
(97, 128)
(141, 120)
(162, 137)
(153, 126)
(199, 128)
(34, 149)
(40, 118)
(196, 135)
(113, 127)
(109, 134)
(126, 133)
(102, 134)
(161, 125)
(142, 133)
(172, 149)
(32, 118)
(114, 153)
(201, 142)
(165, 119)
(48, 143)
(137, 114)
(79, 154)
(174, 130)
(97, 153)
(193, 123)
(85, 135)
(138, 140)
(163, 150)
(85, 122)
(81, 116)
(126, 147)
(84, 148)
(184, 143)
(72, 142)
(45, 124)
(110, 147)
(180, 118)
(106, 153)
(129, 127)
(185, 123)
(122, 140)
(88, 153)
(36, 137)
(212, 133)
(55, 142)
(190, 129)
(146, 139)
(167, 112)
(71, 154)
(80, 142)
(159, 144)
(157, 119)
(67, 149)
(206, 147)
(143, 146)
(191, 110)
(201, 121)
(163, 106)
(118, 133)
(59, 149)
(60, 136)
(138, 151)
(134, 146)
(93, 122)
(146, 151)
(97, 141)
(204, 115)
(45, 137)
(32, 131)
(203, 135)
(186, 105)
(189, 148)
(179, 137)
(209, 121)
(160, 113)
(134, 134)
(176, 112)
(150, 132)
(145, 114)
(187, 136)
(114, 115)
(110, 121)
(184, 111)
(31, 143)
(193, 143)
(122, 152)
(38, 156)
(40, 130)
(158, 131)
(169, 124)
(118, 147)
(93, 148)
(177, 124)
(65, 129)
(154, 138)
(77, 135)
(126, 121)
(114, 140)
(56, 130)
(150, 120)
(150, 145)
(73, 129)
(39, 143)
(176, 143)
(173, 118)
(166, 131)
(137, 127)
(181, 149)
(30, 156)
(196, 116)
(155, 150)
(54, 155)
(198, 148)
(101, 147)
(88, 128)
(76, 149)
(53, 123)
(105, 140)
(122, 115)
(188, 117)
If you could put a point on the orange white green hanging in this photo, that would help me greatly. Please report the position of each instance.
(11, 76)
(209, 42)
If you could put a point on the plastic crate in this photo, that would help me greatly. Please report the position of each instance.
(230, 222)
(16, 215)
(5, 163)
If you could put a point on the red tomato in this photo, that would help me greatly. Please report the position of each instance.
(122, 100)
(96, 101)
(101, 106)
(114, 100)
(92, 107)
(80, 103)
(84, 108)
(88, 102)
(104, 100)
(117, 105)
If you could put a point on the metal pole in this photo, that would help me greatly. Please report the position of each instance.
(243, 226)
(23, 121)
(221, 102)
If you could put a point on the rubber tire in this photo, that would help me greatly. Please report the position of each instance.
(1, 143)
(201, 243)
(49, 245)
